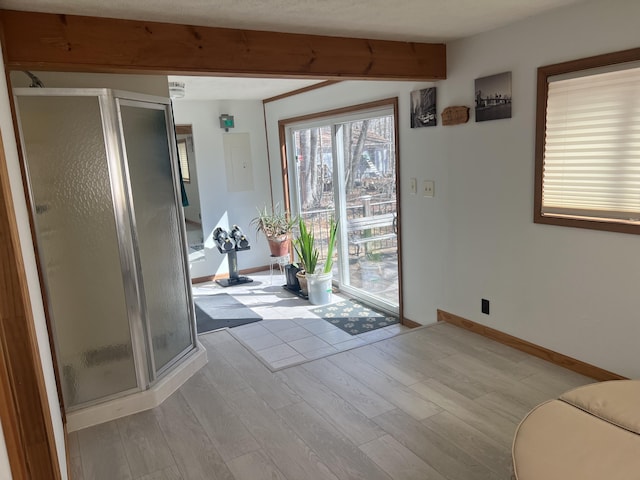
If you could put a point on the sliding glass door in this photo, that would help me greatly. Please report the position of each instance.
(345, 166)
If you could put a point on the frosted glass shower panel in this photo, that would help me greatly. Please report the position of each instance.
(78, 244)
(160, 239)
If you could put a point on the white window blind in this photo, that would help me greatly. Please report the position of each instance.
(592, 147)
(184, 160)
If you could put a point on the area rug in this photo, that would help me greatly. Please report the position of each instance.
(353, 317)
(221, 310)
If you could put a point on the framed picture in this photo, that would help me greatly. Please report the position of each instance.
(423, 108)
(493, 97)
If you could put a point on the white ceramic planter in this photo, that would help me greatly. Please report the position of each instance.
(319, 286)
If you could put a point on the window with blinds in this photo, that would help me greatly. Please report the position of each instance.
(589, 168)
(184, 161)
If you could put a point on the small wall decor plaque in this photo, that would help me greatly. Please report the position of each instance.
(455, 115)
(423, 108)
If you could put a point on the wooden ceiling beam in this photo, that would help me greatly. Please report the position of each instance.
(43, 41)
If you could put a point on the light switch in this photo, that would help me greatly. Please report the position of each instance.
(413, 186)
(428, 189)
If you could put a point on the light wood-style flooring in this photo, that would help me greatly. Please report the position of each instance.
(435, 403)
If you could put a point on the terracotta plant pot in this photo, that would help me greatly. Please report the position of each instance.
(279, 246)
(302, 280)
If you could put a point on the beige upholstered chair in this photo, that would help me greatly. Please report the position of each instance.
(590, 433)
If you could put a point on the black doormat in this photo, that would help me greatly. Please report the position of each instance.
(353, 317)
(221, 310)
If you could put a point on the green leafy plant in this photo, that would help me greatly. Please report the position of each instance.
(274, 223)
(333, 230)
(305, 248)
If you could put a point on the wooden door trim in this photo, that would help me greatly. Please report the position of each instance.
(298, 91)
(184, 130)
(24, 407)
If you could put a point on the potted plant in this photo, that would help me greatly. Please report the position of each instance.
(291, 274)
(304, 245)
(277, 226)
(318, 280)
(301, 275)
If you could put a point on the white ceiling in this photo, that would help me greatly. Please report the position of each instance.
(409, 20)
(406, 20)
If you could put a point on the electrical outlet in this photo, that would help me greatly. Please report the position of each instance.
(428, 188)
(413, 186)
(485, 306)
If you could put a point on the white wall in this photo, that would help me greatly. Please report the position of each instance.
(219, 206)
(571, 290)
(149, 84)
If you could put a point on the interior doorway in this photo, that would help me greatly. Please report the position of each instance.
(191, 199)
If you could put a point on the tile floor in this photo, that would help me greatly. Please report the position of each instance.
(290, 333)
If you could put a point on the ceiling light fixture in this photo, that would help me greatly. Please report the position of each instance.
(176, 90)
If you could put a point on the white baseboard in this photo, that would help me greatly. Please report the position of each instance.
(138, 402)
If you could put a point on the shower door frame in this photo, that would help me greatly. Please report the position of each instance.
(139, 100)
(122, 202)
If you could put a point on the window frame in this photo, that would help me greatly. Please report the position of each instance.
(544, 73)
(345, 114)
(185, 178)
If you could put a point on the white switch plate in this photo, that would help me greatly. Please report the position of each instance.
(428, 189)
(413, 186)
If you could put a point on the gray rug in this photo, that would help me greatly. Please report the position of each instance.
(353, 317)
(221, 310)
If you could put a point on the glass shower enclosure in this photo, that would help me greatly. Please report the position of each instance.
(106, 208)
